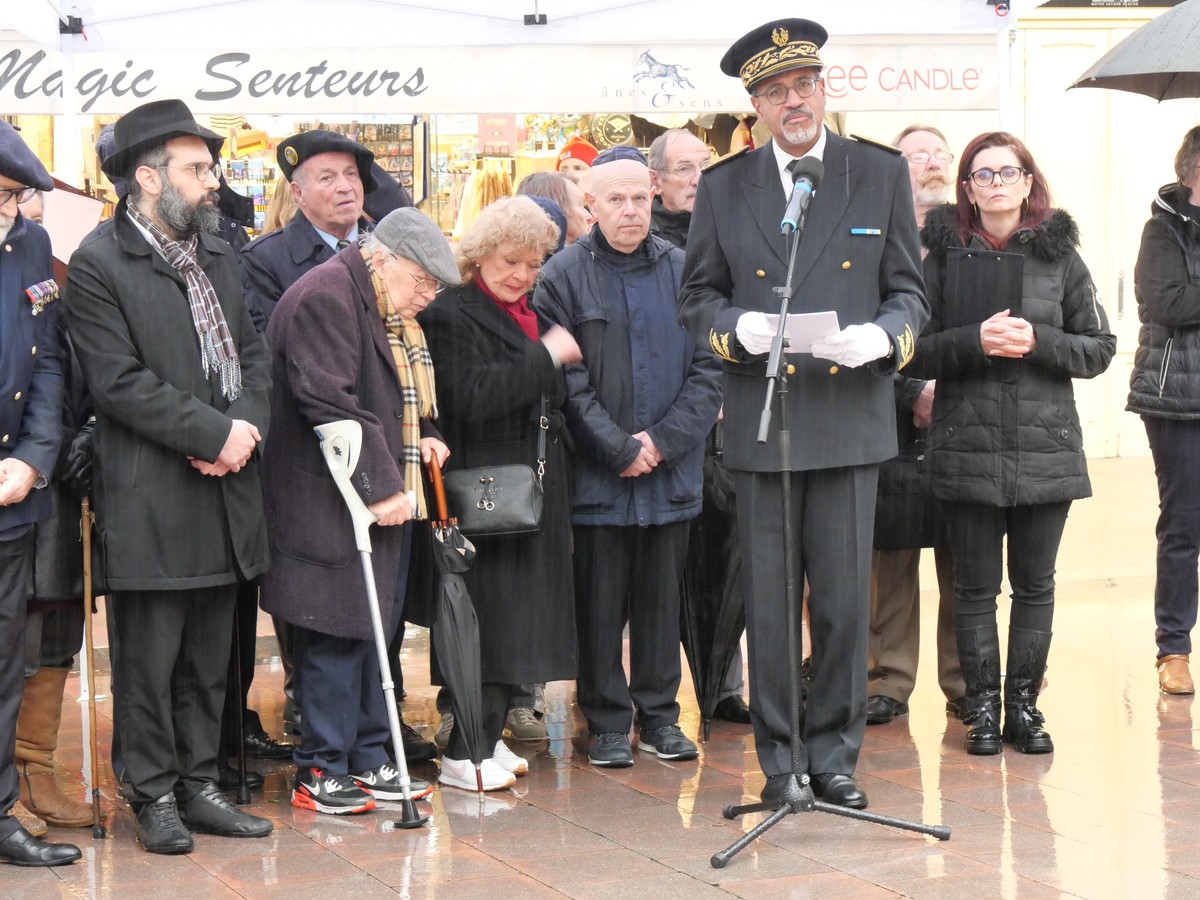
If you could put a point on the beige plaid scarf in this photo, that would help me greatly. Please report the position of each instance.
(414, 366)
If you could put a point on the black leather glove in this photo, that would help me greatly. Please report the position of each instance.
(77, 468)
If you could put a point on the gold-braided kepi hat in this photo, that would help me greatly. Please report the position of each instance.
(772, 48)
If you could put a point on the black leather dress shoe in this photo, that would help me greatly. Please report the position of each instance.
(840, 790)
(227, 778)
(881, 710)
(260, 745)
(210, 812)
(732, 709)
(22, 849)
(159, 829)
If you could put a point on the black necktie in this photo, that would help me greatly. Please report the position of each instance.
(343, 244)
(791, 168)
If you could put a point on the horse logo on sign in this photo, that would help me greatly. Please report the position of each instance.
(652, 68)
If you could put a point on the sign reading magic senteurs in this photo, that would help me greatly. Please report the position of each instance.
(671, 78)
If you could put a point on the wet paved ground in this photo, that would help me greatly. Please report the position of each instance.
(1114, 812)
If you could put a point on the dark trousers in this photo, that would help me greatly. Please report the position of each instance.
(495, 711)
(833, 519)
(894, 643)
(1176, 449)
(628, 572)
(174, 648)
(976, 532)
(343, 717)
(16, 584)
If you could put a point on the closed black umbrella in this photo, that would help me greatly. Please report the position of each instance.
(712, 610)
(1161, 59)
(455, 632)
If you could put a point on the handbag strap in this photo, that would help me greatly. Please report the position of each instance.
(543, 427)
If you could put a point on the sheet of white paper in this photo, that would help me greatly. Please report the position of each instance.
(803, 329)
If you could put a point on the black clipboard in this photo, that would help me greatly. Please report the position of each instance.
(980, 283)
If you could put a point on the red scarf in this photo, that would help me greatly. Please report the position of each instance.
(519, 312)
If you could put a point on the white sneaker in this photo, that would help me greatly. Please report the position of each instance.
(506, 759)
(460, 773)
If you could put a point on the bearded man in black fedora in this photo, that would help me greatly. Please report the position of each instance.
(859, 256)
(180, 379)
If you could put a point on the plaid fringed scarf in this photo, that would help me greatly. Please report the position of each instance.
(217, 350)
(414, 366)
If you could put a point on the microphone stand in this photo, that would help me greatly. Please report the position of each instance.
(798, 794)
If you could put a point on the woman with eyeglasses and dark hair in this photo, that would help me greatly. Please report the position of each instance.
(1005, 444)
(1165, 389)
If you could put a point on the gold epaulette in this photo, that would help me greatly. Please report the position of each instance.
(880, 144)
(721, 160)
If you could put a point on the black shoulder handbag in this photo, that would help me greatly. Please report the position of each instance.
(499, 499)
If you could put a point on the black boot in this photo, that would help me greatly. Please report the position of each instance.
(979, 651)
(1027, 653)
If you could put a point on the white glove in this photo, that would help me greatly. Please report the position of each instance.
(754, 332)
(853, 345)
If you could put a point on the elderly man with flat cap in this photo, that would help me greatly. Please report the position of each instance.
(858, 256)
(639, 407)
(345, 345)
(180, 380)
(30, 435)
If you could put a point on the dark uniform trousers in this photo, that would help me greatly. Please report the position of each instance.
(16, 585)
(628, 571)
(895, 639)
(833, 513)
(174, 646)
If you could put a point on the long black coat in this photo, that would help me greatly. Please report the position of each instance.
(490, 380)
(331, 361)
(162, 525)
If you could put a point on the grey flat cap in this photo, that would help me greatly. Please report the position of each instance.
(410, 233)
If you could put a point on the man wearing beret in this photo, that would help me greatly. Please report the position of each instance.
(639, 406)
(31, 384)
(858, 256)
(329, 174)
(180, 381)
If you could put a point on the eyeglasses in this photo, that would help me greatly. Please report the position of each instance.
(922, 158)
(422, 285)
(200, 170)
(684, 172)
(777, 94)
(21, 195)
(1007, 175)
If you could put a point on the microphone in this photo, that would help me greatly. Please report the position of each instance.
(806, 177)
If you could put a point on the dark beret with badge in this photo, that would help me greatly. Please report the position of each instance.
(294, 150)
(149, 126)
(19, 163)
(773, 48)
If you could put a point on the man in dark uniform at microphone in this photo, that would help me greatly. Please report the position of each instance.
(858, 256)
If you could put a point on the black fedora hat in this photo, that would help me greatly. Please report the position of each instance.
(152, 125)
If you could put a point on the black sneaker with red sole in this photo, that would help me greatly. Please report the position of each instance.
(335, 795)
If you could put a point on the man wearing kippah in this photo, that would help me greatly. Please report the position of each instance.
(30, 435)
(858, 256)
(639, 406)
(180, 382)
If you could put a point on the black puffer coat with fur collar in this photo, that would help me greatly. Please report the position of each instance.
(1006, 432)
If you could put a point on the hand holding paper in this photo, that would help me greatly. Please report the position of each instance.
(854, 345)
(754, 332)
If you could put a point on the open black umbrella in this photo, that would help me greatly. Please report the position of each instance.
(455, 632)
(1161, 59)
(712, 610)
(341, 443)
